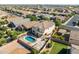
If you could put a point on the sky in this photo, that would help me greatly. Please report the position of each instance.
(65, 2)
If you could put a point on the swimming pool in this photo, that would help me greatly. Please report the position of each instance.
(30, 39)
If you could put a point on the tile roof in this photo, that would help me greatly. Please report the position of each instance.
(74, 35)
(13, 48)
(44, 24)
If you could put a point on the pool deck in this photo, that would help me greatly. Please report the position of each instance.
(38, 44)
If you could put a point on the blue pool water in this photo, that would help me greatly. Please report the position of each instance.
(30, 39)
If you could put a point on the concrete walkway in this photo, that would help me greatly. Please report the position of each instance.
(74, 49)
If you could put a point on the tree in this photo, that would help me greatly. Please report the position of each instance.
(1, 34)
(5, 22)
(13, 37)
(32, 17)
(3, 28)
(8, 32)
(2, 41)
(14, 34)
(70, 15)
(49, 45)
(58, 22)
(46, 18)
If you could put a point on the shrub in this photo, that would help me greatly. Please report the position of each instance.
(33, 18)
(2, 41)
(58, 36)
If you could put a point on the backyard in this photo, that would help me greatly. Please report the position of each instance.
(57, 47)
(7, 34)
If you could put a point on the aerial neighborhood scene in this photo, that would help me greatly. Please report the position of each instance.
(39, 29)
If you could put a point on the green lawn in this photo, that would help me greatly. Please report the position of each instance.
(57, 48)
(34, 51)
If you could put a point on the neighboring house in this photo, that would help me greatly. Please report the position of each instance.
(53, 18)
(19, 28)
(74, 37)
(11, 24)
(13, 48)
(47, 15)
(43, 16)
(3, 14)
(62, 18)
(72, 23)
(75, 10)
(43, 28)
(29, 25)
(17, 21)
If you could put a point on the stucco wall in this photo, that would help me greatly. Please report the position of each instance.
(49, 30)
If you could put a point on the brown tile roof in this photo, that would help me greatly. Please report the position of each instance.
(13, 48)
(74, 35)
(13, 18)
(30, 24)
(44, 24)
(2, 13)
(39, 24)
